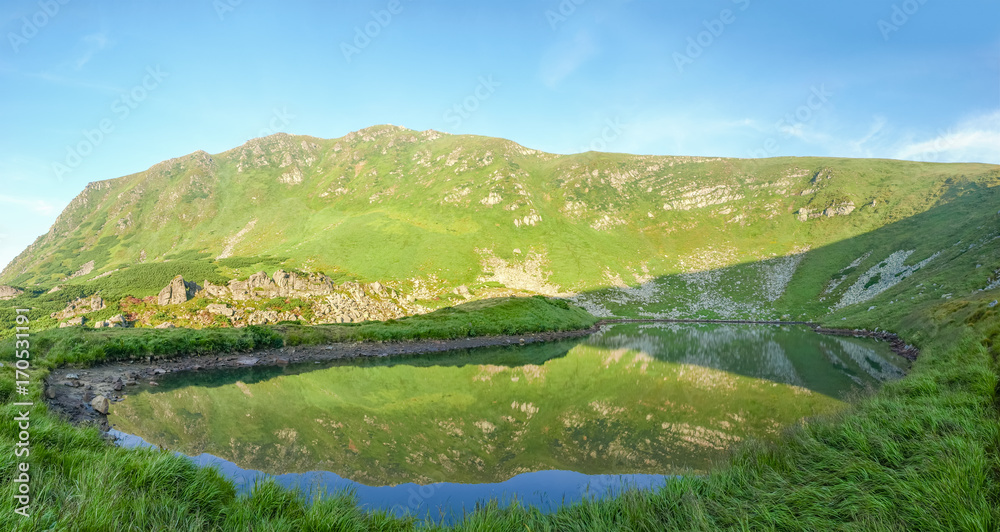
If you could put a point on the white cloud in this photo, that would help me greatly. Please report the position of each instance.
(38, 206)
(973, 140)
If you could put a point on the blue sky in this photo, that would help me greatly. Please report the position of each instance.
(94, 90)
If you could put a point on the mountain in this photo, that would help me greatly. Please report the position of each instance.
(433, 215)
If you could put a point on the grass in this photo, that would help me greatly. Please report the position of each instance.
(921, 454)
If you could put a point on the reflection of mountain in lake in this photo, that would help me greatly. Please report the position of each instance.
(635, 399)
(777, 353)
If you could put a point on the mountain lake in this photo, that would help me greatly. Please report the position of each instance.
(548, 424)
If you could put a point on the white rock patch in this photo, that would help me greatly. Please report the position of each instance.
(889, 272)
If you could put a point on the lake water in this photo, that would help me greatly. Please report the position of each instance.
(550, 423)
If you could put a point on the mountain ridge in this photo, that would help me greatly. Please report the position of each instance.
(424, 212)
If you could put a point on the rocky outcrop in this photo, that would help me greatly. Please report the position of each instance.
(74, 322)
(84, 270)
(356, 306)
(220, 309)
(9, 292)
(115, 321)
(177, 292)
(837, 209)
(282, 284)
(79, 307)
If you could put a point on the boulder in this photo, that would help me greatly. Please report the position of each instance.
(177, 292)
(221, 309)
(166, 325)
(260, 281)
(215, 290)
(74, 322)
(9, 292)
(101, 404)
(239, 290)
(842, 209)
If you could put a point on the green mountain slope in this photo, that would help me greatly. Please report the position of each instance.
(425, 212)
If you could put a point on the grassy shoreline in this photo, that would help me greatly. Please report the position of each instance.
(921, 453)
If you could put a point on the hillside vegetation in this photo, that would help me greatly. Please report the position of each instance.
(440, 220)
(430, 215)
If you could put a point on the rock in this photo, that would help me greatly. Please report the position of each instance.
(50, 392)
(463, 291)
(131, 382)
(9, 292)
(159, 371)
(842, 209)
(79, 307)
(75, 322)
(177, 292)
(993, 303)
(220, 309)
(119, 320)
(87, 396)
(154, 383)
(247, 361)
(72, 376)
(118, 385)
(101, 404)
(281, 361)
(214, 290)
(84, 270)
(166, 325)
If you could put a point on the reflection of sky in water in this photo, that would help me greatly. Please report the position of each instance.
(442, 501)
(628, 405)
